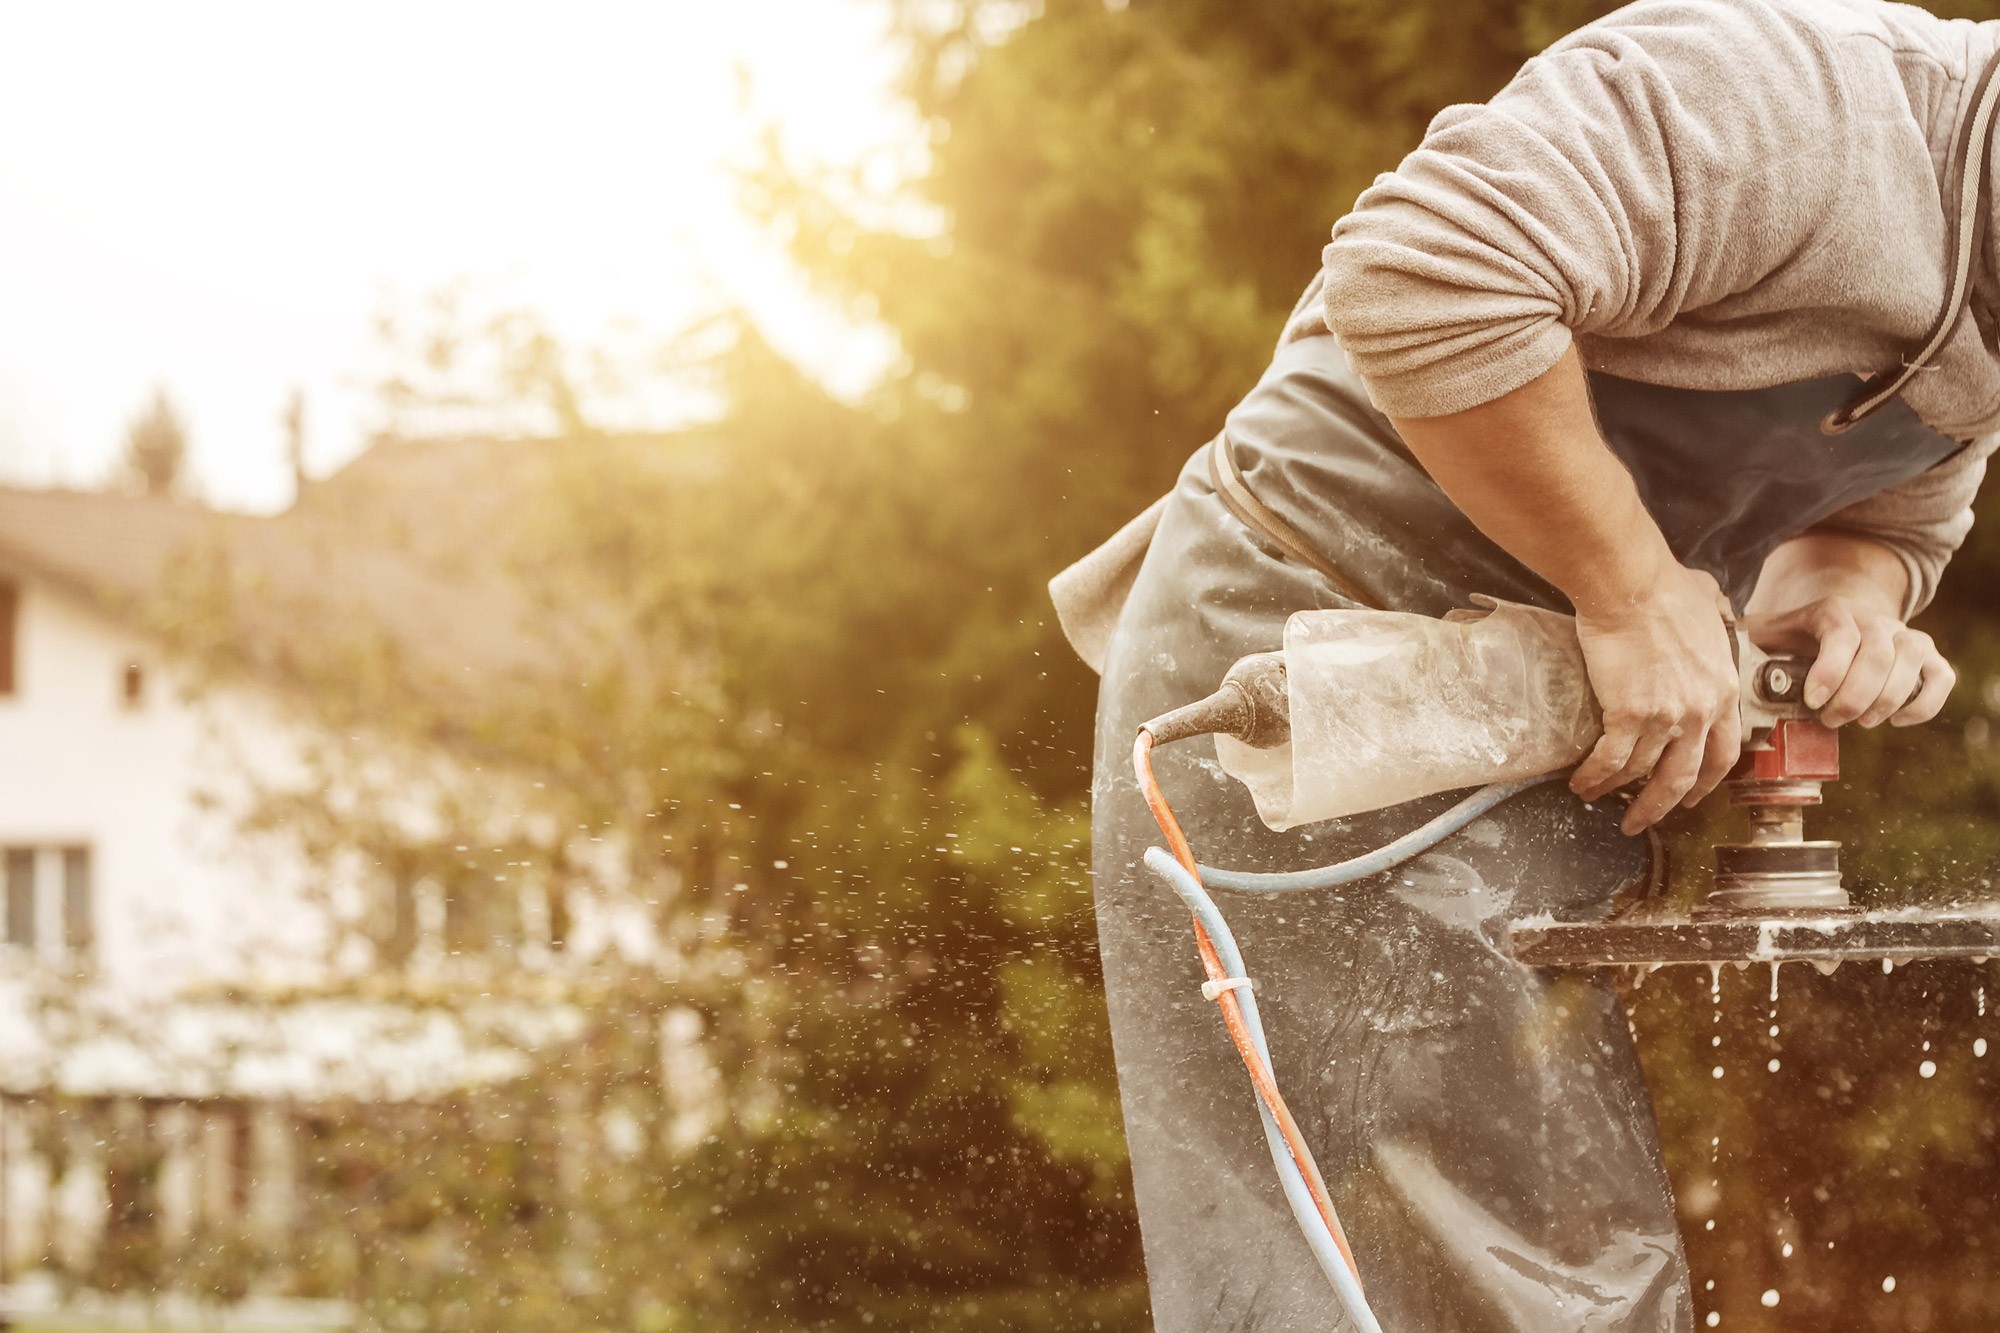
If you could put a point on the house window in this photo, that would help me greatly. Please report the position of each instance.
(20, 876)
(10, 616)
(422, 919)
(50, 899)
(79, 907)
(132, 1177)
(481, 916)
(133, 687)
(401, 924)
(545, 924)
(558, 917)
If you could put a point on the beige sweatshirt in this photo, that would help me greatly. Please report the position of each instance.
(1708, 194)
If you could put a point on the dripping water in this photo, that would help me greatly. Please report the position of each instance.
(1773, 1065)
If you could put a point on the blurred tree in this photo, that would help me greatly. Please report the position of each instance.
(460, 362)
(801, 670)
(294, 421)
(156, 448)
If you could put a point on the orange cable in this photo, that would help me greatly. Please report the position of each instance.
(1261, 1077)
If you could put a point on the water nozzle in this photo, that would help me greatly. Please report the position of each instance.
(1251, 704)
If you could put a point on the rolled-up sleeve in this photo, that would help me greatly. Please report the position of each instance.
(1655, 162)
(1923, 520)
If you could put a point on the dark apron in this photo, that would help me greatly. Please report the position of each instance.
(1483, 1127)
(1729, 475)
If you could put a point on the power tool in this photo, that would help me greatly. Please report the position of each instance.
(1776, 896)
(1505, 688)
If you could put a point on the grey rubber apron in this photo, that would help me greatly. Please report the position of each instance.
(1483, 1127)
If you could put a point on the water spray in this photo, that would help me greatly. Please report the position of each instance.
(1366, 709)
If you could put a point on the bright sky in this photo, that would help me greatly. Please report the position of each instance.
(221, 198)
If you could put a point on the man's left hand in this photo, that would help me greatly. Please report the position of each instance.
(1870, 667)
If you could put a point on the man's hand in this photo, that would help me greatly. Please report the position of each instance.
(1531, 471)
(1667, 681)
(1838, 596)
(1871, 668)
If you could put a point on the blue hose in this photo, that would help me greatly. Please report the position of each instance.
(1189, 889)
(1388, 857)
(1317, 1234)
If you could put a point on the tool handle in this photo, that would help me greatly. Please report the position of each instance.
(1782, 680)
(1779, 681)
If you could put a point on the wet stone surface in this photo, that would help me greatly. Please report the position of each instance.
(1903, 935)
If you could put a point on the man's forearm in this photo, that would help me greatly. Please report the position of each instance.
(1815, 565)
(1530, 469)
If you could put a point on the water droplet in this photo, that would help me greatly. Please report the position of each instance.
(1708, 1285)
(1717, 1071)
(1773, 1066)
(1709, 1225)
(1826, 967)
(1786, 1252)
(1927, 1046)
(1888, 966)
(1769, 1298)
(1888, 1284)
(1774, 1029)
(1927, 1068)
(1979, 1047)
(1715, 1040)
(1982, 1001)
(1713, 1318)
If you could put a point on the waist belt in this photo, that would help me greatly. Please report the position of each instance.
(1230, 487)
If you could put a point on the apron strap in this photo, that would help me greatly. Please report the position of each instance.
(1965, 201)
(1237, 497)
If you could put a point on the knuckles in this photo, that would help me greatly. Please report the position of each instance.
(1831, 615)
(1684, 710)
(1649, 717)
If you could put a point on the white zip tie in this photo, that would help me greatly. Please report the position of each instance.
(1213, 990)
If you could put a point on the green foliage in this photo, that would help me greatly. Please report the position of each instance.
(800, 668)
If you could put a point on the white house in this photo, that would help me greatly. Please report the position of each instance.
(128, 887)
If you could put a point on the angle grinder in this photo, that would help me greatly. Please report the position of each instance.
(1787, 754)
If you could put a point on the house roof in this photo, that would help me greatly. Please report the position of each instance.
(113, 545)
(448, 503)
(357, 556)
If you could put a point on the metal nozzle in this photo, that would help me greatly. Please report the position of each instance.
(1251, 704)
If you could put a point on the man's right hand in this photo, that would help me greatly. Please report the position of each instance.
(1530, 469)
(1665, 676)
